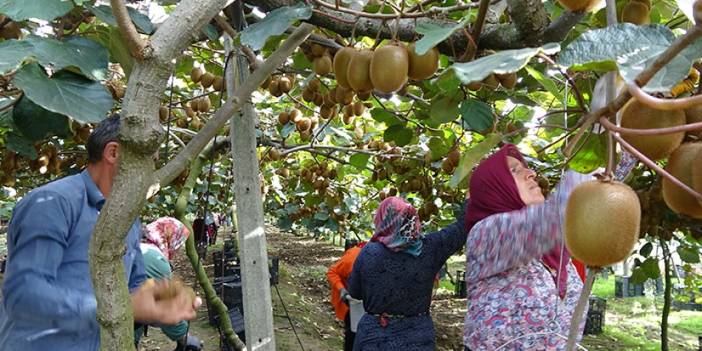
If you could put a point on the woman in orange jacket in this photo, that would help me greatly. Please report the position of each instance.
(337, 275)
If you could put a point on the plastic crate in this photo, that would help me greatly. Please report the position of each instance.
(594, 324)
(624, 288)
(460, 289)
(236, 316)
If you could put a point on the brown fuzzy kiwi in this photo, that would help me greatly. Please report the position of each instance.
(325, 112)
(274, 154)
(348, 119)
(204, 104)
(645, 2)
(637, 13)
(163, 114)
(680, 166)
(314, 84)
(491, 82)
(283, 118)
(218, 84)
(190, 112)
(422, 66)
(318, 99)
(274, 89)
(306, 135)
(447, 166)
(363, 96)
(341, 64)
(284, 84)
(358, 74)
(602, 222)
(454, 157)
(322, 65)
(308, 95)
(314, 122)
(579, 5)
(358, 108)
(474, 86)
(182, 122)
(196, 74)
(389, 68)
(507, 80)
(207, 80)
(694, 115)
(295, 115)
(318, 50)
(196, 123)
(347, 110)
(266, 82)
(639, 116)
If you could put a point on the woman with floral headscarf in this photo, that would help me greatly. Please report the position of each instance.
(522, 286)
(394, 275)
(161, 240)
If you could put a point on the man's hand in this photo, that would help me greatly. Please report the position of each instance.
(148, 307)
(344, 295)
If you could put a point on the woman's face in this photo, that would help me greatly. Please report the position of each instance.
(525, 178)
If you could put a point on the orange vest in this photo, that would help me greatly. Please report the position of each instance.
(337, 275)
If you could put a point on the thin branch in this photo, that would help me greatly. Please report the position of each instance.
(662, 104)
(636, 153)
(571, 83)
(428, 13)
(480, 20)
(656, 131)
(137, 46)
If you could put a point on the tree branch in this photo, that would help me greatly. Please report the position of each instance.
(137, 46)
(168, 172)
(657, 131)
(662, 104)
(559, 29)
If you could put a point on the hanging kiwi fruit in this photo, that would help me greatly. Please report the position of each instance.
(639, 116)
(422, 66)
(602, 222)
(283, 118)
(637, 13)
(681, 165)
(163, 114)
(196, 74)
(358, 73)
(507, 80)
(579, 5)
(694, 115)
(11, 30)
(284, 84)
(207, 79)
(322, 65)
(389, 68)
(218, 84)
(341, 65)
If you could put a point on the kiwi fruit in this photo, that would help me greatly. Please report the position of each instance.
(491, 82)
(363, 96)
(579, 5)
(318, 99)
(645, 2)
(163, 114)
(637, 13)
(389, 68)
(697, 174)
(680, 165)
(422, 66)
(274, 88)
(602, 222)
(204, 104)
(507, 80)
(454, 157)
(284, 84)
(348, 119)
(447, 166)
(218, 84)
(308, 95)
(266, 82)
(341, 64)
(358, 108)
(283, 118)
(190, 112)
(322, 65)
(358, 73)
(474, 86)
(326, 112)
(207, 79)
(694, 115)
(196, 75)
(318, 50)
(639, 116)
(295, 115)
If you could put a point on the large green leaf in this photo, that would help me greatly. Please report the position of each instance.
(275, 23)
(88, 56)
(37, 123)
(438, 147)
(471, 157)
(385, 116)
(359, 160)
(477, 115)
(433, 34)
(20, 10)
(545, 82)
(141, 21)
(689, 254)
(591, 155)
(444, 108)
(650, 267)
(632, 48)
(66, 93)
(110, 38)
(398, 133)
(21, 145)
(506, 61)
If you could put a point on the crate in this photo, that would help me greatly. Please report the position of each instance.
(460, 289)
(594, 324)
(624, 288)
(236, 316)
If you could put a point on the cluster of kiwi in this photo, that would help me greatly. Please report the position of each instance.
(304, 125)
(422, 184)
(9, 165)
(279, 85)
(450, 162)
(637, 12)
(493, 81)
(81, 132)
(49, 160)
(319, 175)
(206, 79)
(10, 29)
(319, 56)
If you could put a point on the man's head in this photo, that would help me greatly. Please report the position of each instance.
(102, 142)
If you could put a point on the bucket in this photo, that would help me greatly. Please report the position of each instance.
(356, 311)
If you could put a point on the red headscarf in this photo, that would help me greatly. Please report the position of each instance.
(494, 191)
(397, 226)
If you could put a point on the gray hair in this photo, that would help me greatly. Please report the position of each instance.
(105, 132)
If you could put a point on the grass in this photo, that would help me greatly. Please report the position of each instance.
(688, 321)
(604, 287)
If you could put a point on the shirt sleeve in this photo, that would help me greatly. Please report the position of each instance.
(38, 233)
(354, 282)
(338, 271)
(447, 241)
(138, 270)
(509, 239)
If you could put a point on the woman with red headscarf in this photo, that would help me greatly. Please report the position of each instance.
(394, 275)
(522, 286)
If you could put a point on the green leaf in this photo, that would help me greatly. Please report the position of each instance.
(650, 267)
(275, 23)
(141, 21)
(36, 123)
(632, 48)
(438, 147)
(110, 38)
(21, 145)
(471, 157)
(210, 31)
(12, 53)
(591, 155)
(506, 61)
(287, 129)
(448, 82)
(646, 249)
(444, 108)
(398, 133)
(545, 82)
(477, 115)
(638, 276)
(20, 10)
(66, 93)
(689, 254)
(433, 34)
(359, 160)
(382, 115)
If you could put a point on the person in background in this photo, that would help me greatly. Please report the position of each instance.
(161, 240)
(337, 275)
(48, 301)
(394, 276)
(522, 286)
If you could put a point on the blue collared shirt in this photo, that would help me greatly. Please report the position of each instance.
(48, 300)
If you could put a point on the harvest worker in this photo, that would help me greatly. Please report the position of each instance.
(161, 240)
(522, 287)
(394, 275)
(48, 298)
(337, 275)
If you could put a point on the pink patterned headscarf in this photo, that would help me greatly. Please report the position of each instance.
(397, 226)
(167, 234)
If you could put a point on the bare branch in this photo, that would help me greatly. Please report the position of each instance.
(137, 46)
(657, 131)
(662, 104)
(428, 13)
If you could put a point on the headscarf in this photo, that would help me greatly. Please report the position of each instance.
(397, 226)
(494, 191)
(167, 234)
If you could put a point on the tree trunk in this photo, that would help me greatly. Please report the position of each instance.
(666, 296)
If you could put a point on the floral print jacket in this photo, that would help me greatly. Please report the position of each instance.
(513, 303)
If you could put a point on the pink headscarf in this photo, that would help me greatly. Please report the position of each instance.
(397, 226)
(494, 191)
(167, 234)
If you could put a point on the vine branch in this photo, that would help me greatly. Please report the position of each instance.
(137, 46)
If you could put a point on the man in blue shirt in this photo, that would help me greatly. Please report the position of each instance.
(48, 298)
